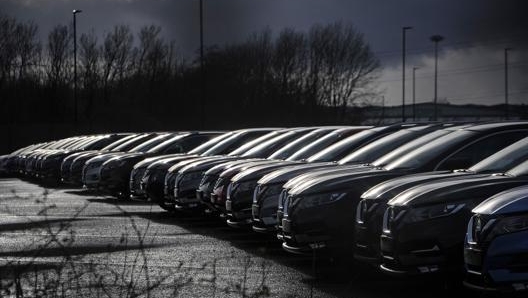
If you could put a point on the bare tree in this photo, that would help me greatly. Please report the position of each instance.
(289, 64)
(28, 49)
(153, 53)
(90, 74)
(341, 65)
(116, 54)
(7, 48)
(57, 55)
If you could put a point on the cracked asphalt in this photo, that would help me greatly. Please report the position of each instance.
(77, 243)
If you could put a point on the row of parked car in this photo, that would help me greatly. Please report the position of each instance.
(409, 198)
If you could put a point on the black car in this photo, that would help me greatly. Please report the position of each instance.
(212, 186)
(138, 172)
(497, 242)
(48, 167)
(115, 172)
(189, 177)
(295, 177)
(320, 212)
(71, 175)
(424, 227)
(172, 172)
(91, 171)
(240, 212)
(153, 176)
(370, 210)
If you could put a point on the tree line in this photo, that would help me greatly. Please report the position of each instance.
(139, 80)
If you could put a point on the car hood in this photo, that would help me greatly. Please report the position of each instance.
(317, 173)
(452, 190)
(234, 170)
(388, 189)
(166, 163)
(103, 157)
(150, 160)
(86, 156)
(510, 201)
(286, 173)
(73, 156)
(199, 164)
(353, 179)
(257, 171)
(219, 168)
(130, 156)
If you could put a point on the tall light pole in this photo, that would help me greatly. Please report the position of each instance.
(404, 30)
(414, 93)
(436, 39)
(202, 74)
(506, 110)
(75, 12)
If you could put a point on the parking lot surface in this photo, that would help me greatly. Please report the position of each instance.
(70, 242)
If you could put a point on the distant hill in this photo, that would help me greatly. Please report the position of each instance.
(425, 112)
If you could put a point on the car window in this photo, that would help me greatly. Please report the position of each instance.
(211, 143)
(505, 159)
(234, 142)
(194, 141)
(322, 143)
(427, 152)
(520, 170)
(479, 150)
(381, 146)
(337, 150)
(296, 145)
(249, 145)
(394, 155)
(144, 147)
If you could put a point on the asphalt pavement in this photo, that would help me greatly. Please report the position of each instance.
(71, 242)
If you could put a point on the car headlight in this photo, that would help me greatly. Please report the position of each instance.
(317, 199)
(500, 226)
(436, 211)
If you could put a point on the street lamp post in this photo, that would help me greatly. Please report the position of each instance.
(75, 12)
(202, 74)
(506, 110)
(404, 30)
(414, 92)
(436, 39)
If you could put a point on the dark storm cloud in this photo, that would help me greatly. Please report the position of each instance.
(476, 32)
(232, 20)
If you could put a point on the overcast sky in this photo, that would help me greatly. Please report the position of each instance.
(471, 60)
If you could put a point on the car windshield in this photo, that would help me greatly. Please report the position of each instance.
(235, 141)
(406, 148)
(301, 142)
(427, 151)
(211, 143)
(504, 159)
(249, 145)
(133, 142)
(146, 146)
(520, 170)
(117, 143)
(265, 149)
(82, 144)
(322, 143)
(337, 150)
(165, 144)
(382, 146)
